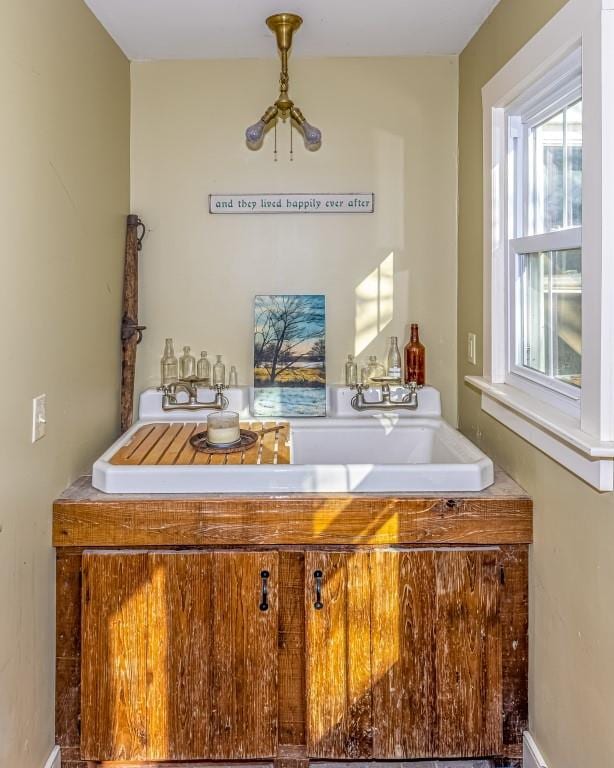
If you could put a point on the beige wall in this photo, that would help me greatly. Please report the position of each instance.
(389, 125)
(572, 568)
(64, 187)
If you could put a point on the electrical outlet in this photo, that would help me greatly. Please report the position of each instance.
(39, 417)
(472, 347)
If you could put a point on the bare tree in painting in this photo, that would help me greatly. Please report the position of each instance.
(318, 350)
(283, 324)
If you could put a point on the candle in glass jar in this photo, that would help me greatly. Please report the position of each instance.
(223, 428)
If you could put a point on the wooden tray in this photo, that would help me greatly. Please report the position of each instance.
(169, 443)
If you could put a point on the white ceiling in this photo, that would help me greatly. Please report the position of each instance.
(220, 29)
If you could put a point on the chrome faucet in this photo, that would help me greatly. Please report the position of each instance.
(407, 402)
(190, 386)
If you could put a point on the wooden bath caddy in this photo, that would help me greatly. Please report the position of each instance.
(169, 443)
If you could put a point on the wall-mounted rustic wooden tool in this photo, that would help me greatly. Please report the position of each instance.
(131, 331)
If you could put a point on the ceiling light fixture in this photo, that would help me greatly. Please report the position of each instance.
(283, 25)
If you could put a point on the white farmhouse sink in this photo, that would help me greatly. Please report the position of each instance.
(347, 452)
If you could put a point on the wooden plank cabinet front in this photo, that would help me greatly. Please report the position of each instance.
(114, 657)
(354, 654)
(403, 654)
(338, 655)
(179, 656)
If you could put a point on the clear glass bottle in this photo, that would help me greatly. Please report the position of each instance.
(233, 377)
(219, 371)
(187, 364)
(169, 367)
(364, 375)
(393, 359)
(203, 368)
(351, 372)
(415, 359)
(375, 369)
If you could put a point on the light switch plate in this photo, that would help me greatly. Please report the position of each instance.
(39, 417)
(472, 345)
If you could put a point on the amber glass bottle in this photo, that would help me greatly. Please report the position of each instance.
(415, 359)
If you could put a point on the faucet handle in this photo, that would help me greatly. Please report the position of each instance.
(411, 398)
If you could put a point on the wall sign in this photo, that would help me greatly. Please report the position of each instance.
(292, 203)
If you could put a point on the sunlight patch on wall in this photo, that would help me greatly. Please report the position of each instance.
(374, 300)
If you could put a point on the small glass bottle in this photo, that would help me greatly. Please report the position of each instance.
(219, 371)
(351, 372)
(375, 369)
(393, 359)
(187, 364)
(364, 375)
(233, 378)
(203, 369)
(415, 359)
(169, 367)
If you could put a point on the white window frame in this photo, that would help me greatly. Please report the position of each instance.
(581, 439)
(560, 87)
(557, 393)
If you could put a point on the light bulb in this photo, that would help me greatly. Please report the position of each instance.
(254, 134)
(313, 136)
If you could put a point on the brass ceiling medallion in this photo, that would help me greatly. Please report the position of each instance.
(283, 25)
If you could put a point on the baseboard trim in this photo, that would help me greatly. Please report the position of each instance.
(531, 756)
(55, 759)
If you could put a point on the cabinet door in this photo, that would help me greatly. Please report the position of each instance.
(212, 658)
(179, 661)
(114, 655)
(436, 654)
(338, 655)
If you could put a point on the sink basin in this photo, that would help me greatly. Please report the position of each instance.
(347, 452)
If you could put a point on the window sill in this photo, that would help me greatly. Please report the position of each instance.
(552, 432)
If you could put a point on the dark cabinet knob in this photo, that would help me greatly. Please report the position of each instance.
(264, 597)
(318, 604)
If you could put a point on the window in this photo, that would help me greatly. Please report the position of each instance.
(549, 304)
(548, 352)
(544, 237)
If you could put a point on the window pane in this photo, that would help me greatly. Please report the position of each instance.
(550, 308)
(556, 171)
(574, 164)
(549, 174)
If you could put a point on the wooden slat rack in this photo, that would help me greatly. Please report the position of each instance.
(165, 444)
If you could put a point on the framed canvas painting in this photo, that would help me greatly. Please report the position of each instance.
(289, 356)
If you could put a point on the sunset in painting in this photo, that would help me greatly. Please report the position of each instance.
(290, 356)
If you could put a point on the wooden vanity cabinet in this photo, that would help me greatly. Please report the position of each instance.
(179, 655)
(395, 628)
(403, 654)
